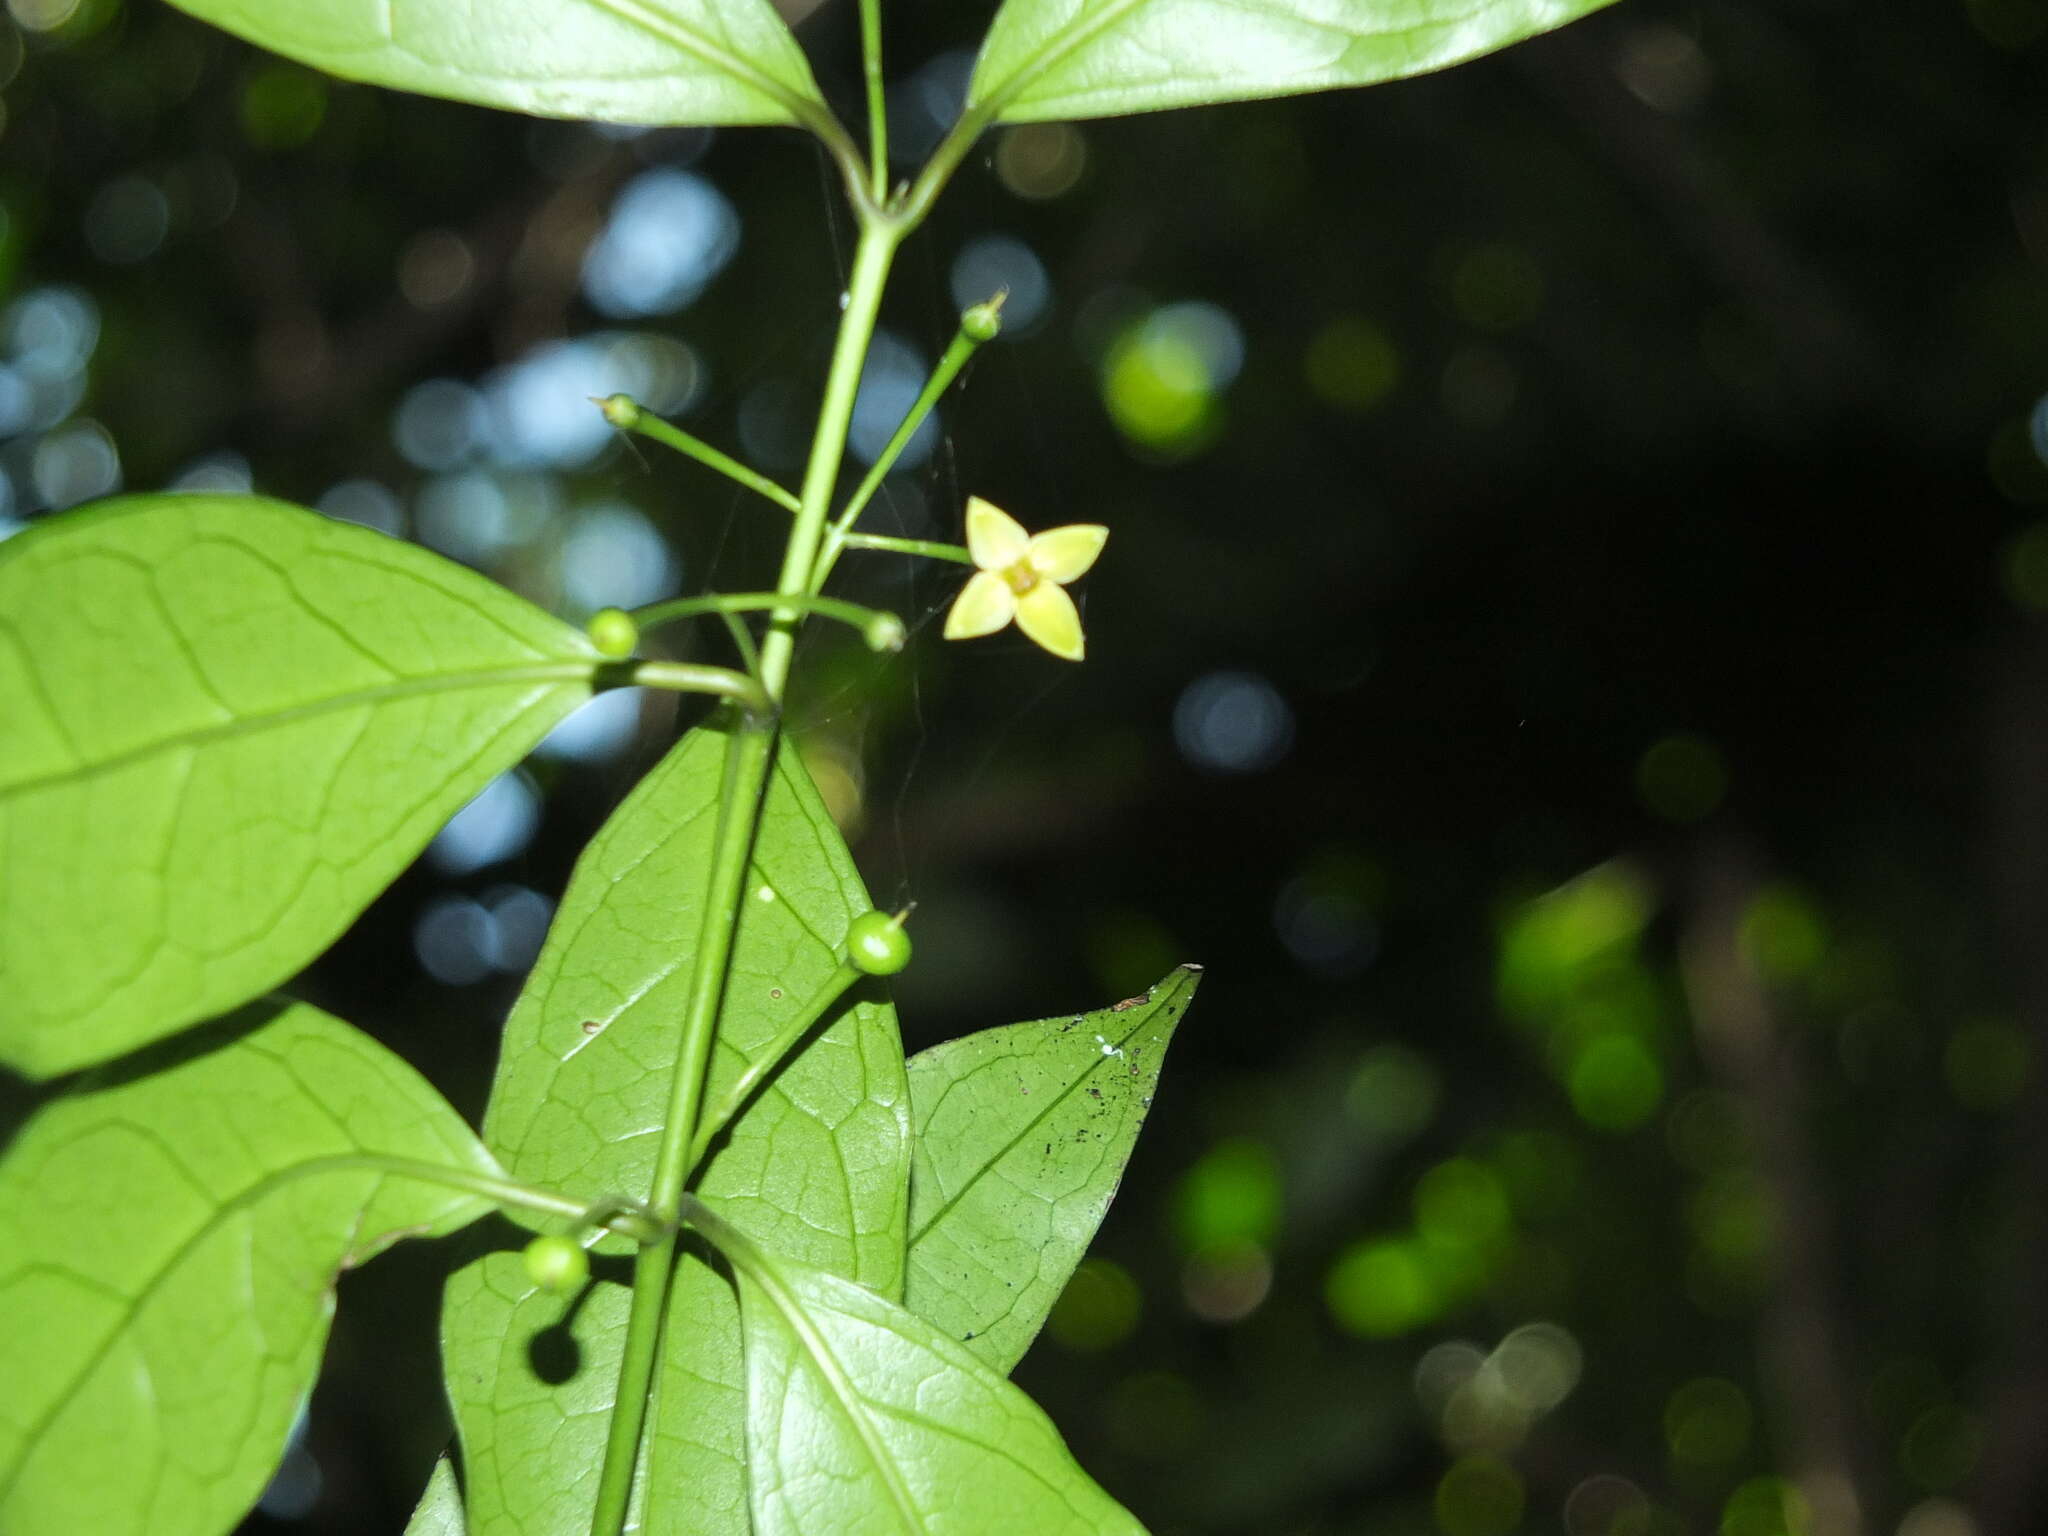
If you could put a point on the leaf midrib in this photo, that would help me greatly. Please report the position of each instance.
(1055, 48)
(674, 31)
(247, 725)
(1144, 1017)
(841, 1388)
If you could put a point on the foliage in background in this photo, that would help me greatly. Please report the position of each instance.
(1615, 436)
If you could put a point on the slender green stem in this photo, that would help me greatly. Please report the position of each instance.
(743, 642)
(882, 631)
(909, 210)
(925, 547)
(627, 414)
(878, 119)
(845, 153)
(749, 751)
(975, 328)
(692, 677)
(619, 1216)
(749, 758)
(871, 261)
(718, 1115)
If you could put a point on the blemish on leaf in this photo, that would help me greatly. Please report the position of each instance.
(765, 893)
(776, 993)
(591, 1026)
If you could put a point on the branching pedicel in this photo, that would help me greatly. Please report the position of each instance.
(227, 723)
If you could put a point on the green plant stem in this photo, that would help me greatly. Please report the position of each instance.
(909, 210)
(750, 756)
(628, 415)
(617, 1216)
(925, 547)
(871, 261)
(690, 677)
(871, 622)
(878, 118)
(749, 751)
(743, 642)
(719, 1115)
(958, 351)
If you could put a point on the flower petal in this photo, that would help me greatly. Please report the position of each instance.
(1064, 554)
(984, 606)
(1049, 616)
(995, 539)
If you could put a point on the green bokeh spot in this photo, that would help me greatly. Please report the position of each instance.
(1461, 1204)
(1231, 1196)
(283, 106)
(1098, 1309)
(1159, 392)
(1552, 945)
(1383, 1288)
(1682, 778)
(1352, 365)
(1783, 934)
(1707, 1422)
(1941, 1449)
(1766, 1506)
(1616, 1083)
(1394, 1092)
(1479, 1496)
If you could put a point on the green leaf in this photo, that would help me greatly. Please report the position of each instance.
(1021, 1136)
(439, 1511)
(225, 725)
(631, 61)
(863, 1418)
(170, 1232)
(1044, 60)
(819, 1160)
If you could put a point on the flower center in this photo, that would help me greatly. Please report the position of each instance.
(1020, 577)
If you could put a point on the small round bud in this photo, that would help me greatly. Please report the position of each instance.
(622, 411)
(877, 944)
(556, 1263)
(885, 632)
(613, 632)
(984, 322)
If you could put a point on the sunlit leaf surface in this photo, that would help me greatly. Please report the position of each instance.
(630, 61)
(1051, 59)
(862, 1418)
(439, 1511)
(818, 1165)
(170, 1231)
(1022, 1134)
(226, 724)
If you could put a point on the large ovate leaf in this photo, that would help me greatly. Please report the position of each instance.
(439, 1511)
(226, 724)
(818, 1163)
(865, 1420)
(170, 1232)
(632, 61)
(1021, 1137)
(1044, 60)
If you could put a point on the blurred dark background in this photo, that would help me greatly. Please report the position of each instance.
(1570, 661)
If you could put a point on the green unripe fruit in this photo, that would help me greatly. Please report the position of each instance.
(622, 411)
(556, 1263)
(613, 632)
(877, 944)
(984, 322)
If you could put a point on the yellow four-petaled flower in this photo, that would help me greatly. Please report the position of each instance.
(1023, 576)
